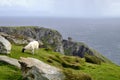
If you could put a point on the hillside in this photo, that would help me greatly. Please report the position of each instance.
(52, 39)
(75, 68)
(90, 66)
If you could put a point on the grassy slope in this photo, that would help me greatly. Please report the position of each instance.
(103, 72)
(75, 68)
(8, 72)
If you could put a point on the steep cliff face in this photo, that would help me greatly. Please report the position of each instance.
(48, 36)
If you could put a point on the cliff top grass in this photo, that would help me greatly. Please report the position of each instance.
(75, 68)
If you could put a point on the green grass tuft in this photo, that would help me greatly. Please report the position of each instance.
(76, 75)
(92, 59)
(8, 72)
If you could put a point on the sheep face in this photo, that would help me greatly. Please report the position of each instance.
(23, 50)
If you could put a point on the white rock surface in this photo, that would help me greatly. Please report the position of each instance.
(5, 45)
(10, 61)
(34, 69)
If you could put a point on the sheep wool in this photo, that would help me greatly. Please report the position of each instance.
(31, 46)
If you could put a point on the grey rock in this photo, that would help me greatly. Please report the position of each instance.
(10, 61)
(5, 45)
(34, 69)
(14, 39)
(80, 49)
(48, 36)
(18, 40)
(76, 48)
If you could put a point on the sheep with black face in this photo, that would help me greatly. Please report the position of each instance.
(31, 46)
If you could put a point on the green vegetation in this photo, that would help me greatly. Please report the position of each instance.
(92, 59)
(74, 68)
(76, 75)
(103, 71)
(9, 72)
(97, 54)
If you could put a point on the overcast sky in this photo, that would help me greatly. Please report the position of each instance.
(60, 8)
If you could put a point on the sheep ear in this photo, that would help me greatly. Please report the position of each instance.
(23, 50)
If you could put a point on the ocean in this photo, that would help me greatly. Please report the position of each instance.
(102, 34)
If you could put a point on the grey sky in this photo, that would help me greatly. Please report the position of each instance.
(60, 8)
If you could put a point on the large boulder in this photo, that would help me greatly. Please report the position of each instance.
(10, 61)
(34, 69)
(5, 45)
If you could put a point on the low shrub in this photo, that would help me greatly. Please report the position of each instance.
(92, 59)
(71, 75)
(68, 61)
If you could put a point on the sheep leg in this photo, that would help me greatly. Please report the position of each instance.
(36, 50)
(33, 51)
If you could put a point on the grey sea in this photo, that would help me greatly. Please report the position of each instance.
(102, 34)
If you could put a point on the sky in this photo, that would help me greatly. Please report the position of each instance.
(60, 8)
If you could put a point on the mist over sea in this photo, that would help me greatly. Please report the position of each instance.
(100, 34)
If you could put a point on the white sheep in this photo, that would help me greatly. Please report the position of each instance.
(31, 46)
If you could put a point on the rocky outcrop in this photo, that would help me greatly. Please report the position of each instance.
(82, 50)
(49, 37)
(19, 40)
(10, 61)
(14, 39)
(76, 48)
(5, 45)
(34, 69)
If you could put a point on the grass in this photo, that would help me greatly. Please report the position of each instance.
(103, 72)
(92, 59)
(76, 75)
(8, 72)
(48, 56)
(74, 68)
